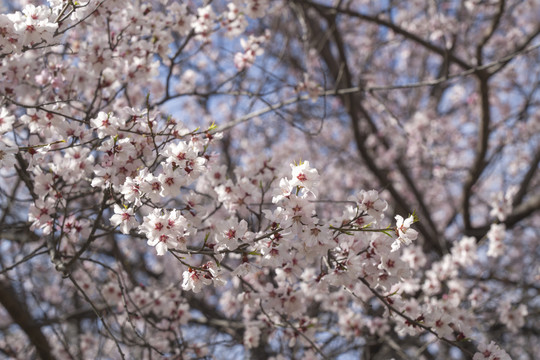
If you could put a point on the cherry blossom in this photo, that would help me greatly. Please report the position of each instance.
(305, 177)
(405, 234)
(40, 214)
(204, 22)
(495, 236)
(490, 352)
(370, 202)
(125, 218)
(6, 121)
(252, 48)
(163, 229)
(195, 280)
(464, 252)
(106, 124)
(513, 318)
(235, 22)
(229, 233)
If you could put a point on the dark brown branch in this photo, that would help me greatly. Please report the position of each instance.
(479, 163)
(65, 268)
(491, 31)
(520, 213)
(98, 314)
(323, 9)
(353, 104)
(524, 186)
(523, 211)
(16, 308)
(520, 48)
(24, 175)
(214, 318)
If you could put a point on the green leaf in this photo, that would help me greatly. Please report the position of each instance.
(415, 217)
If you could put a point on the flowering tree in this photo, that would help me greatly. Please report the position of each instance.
(269, 179)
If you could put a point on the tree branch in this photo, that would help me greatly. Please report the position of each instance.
(16, 308)
(323, 9)
(353, 104)
(479, 163)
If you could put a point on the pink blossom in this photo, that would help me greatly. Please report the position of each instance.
(490, 352)
(371, 203)
(512, 317)
(195, 280)
(125, 218)
(229, 233)
(6, 120)
(203, 25)
(305, 177)
(406, 235)
(495, 237)
(464, 252)
(163, 229)
(106, 124)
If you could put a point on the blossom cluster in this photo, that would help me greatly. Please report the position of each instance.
(159, 235)
(31, 26)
